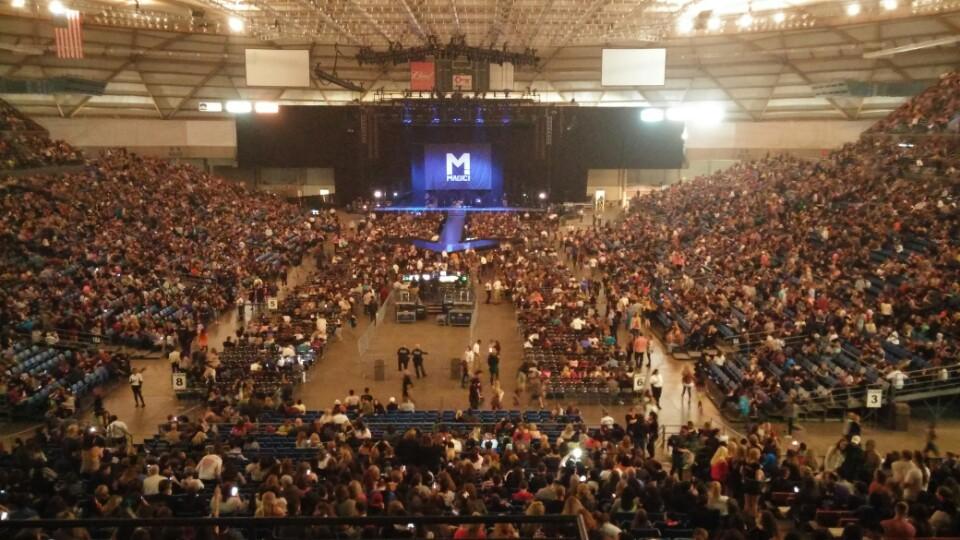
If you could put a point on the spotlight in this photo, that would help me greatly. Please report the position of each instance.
(56, 7)
(745, 20)
(685, 26)
(266, 107)
(542, 195)
(779, 17)
(239, 107)
(377, 194)
(889, 5)
(677, 114)
(651, 115)
(853, 9)
(18, 3)
(714, 24)
(395, 194)
(235, 24)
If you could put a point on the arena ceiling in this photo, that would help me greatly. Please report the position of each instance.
(160, 58)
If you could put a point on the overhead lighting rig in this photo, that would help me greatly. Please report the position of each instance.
(456, 48)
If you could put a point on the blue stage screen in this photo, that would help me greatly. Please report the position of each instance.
(457, 166)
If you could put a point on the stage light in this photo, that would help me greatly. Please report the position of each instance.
(889, 5)
(853, 9)
(324, 192)
(478, 200)
(745, 20)
(235, 24)
(239, 107)
(677, 114)
(266, 107)
(56, 7)
(779, 17)
(18, 3)
(714, 23)
(685, 26)
(542, 196)
(377, 194)
(395, 193)
(651, 115)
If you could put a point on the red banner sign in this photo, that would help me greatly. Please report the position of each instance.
(421, 76)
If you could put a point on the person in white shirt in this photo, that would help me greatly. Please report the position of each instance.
(467, 367)
(896, 378)
(352, 400)
(116, 429)
(210, 466)
(577, 323)
(606, 420)
(136, 385)
(174, 358)
(656, 386)
(151, 484)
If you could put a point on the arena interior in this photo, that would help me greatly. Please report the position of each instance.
(469, 269)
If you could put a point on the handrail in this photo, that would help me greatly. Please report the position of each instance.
(926, 379)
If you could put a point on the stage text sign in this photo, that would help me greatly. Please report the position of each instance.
(457, 166)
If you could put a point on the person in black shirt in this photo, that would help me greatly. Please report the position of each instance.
(403, 358)
(475, 389)
(418, 361)
(407, 383)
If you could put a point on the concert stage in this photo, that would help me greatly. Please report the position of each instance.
(455, 208)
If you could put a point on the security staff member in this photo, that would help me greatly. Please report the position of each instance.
(418, 362)
(403, 358)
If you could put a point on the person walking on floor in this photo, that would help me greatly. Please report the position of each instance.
(656, 386)
(493, 363)
(466, 366)
(640, 345)
(688, 381)
(475, 392)
(407, 384)
(403, 358)
(418, 355)
(136, 384)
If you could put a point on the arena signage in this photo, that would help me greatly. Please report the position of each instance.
(457, 166)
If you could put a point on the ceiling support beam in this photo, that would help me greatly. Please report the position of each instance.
(413, 20)
(193, 92)
(785, 61)
(371, 21)
(737, 102)
(127, 65)
(528, 41)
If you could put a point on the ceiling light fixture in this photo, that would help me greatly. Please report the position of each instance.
(56, 7)
(853, 9)
(889, 5)
(685, 25)
(745, 20)
(779, 17)
(235, 24)
(18, 3)
(714, 23)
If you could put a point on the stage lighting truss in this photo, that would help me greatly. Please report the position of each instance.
(448, 112)
(456, 48)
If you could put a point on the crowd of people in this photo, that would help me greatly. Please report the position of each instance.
(25, 144)
(137, 250)
(403, 225)
(505, 225)
(937, 109)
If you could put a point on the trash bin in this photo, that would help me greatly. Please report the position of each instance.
(379, 370)
(901, 417)
(454, 369)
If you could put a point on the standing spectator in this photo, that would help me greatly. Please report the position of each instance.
(407, 384)
(656, 386)
(476, 396)
(418, 355)
(136, 384)
(403, 358)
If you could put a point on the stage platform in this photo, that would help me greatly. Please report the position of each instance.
(456, 209)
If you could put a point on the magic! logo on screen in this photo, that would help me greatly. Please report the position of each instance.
(461, 162)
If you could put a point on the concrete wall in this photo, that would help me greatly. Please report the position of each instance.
(205, 139)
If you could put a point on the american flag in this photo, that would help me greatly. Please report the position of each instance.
(68, 35)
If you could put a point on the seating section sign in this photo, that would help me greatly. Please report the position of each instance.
(457, 166)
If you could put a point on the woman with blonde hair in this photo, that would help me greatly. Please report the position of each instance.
(752, 477)
(504, 530)
(720, 464)
(573, 507)
(536, 509)
(716, 500)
